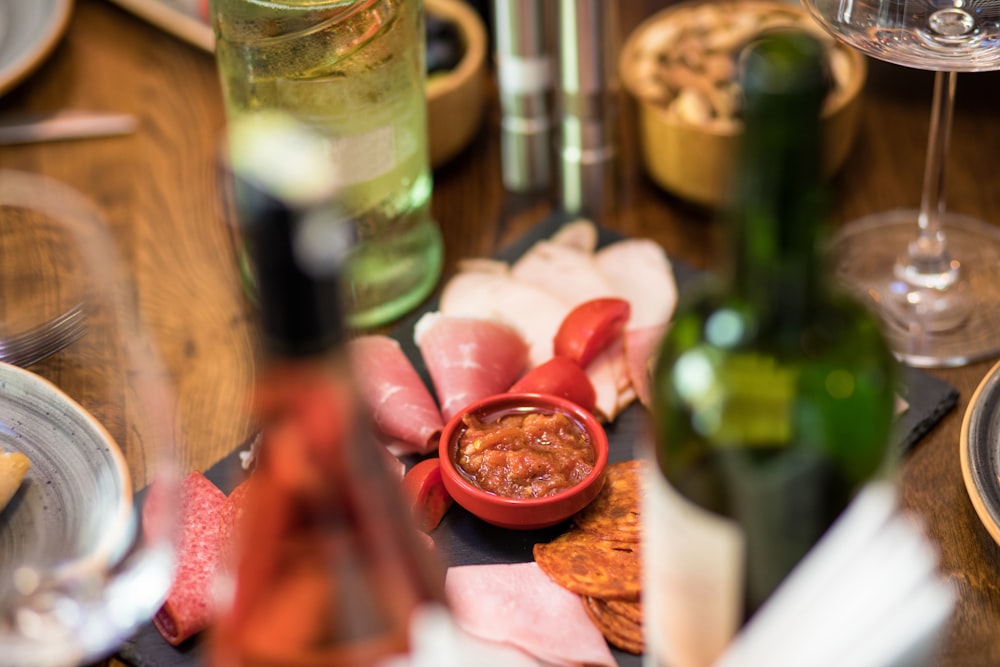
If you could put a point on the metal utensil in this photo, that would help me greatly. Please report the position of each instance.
(62, 125)
(524, 76)
(29, 347)
(587, 99)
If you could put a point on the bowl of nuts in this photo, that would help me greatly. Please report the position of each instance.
(680, 65)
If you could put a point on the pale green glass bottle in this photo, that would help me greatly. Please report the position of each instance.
(773, 393)
(352, 70)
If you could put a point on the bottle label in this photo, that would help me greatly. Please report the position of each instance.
(363, 157)
(692, 578)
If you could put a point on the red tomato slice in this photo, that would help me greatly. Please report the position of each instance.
(589, 328)
(561, 377)
(426, 495)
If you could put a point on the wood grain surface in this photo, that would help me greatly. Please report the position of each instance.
(158, 192)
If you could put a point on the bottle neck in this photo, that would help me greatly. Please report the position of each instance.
(776, 224)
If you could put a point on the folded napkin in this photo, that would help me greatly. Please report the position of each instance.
(867, 595)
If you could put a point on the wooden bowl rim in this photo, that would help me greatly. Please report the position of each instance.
(859, 66)
(473, 31)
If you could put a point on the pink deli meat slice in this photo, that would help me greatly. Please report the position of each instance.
(468, 358)
(609, 375)
(519, 605)
(641, 346)
(640, 272)
(188, 608)
(580, 234)
(485, 289)
(566, 272)
(400, 404)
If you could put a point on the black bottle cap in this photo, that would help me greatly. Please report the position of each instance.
(295, 240)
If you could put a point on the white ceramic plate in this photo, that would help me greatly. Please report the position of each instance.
(980, 453)
(75, 504)
(29, 30)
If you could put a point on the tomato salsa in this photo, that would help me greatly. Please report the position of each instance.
(525, 454)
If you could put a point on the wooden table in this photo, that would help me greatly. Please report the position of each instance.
(157, 189)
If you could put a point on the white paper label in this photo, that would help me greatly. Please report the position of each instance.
(363, 157)
(692, 578)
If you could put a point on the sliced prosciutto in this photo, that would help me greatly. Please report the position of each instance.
(580, 234)
(609, 374)
(519, 605)
(639, 271)
(188, 607)
(468, 358)
(401, 406)
(566, 272)
(486, 289)
(641, 346)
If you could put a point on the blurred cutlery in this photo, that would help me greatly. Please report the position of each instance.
(60, 125)
(29, 347)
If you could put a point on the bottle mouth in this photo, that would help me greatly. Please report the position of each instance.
(336, 12)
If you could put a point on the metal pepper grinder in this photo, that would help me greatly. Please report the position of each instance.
(525, 72)
(588, 105)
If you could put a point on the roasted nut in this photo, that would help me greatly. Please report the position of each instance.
(688, 64)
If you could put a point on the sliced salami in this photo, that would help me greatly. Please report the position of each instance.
(188, 608)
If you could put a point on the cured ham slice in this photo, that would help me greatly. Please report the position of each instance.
(188, 607)
(486, 290)
(580, 234)
(640, 272)
(609, 375)
(555, 275)
(437, 641)
(564, 271)
(518, 604)
(401, 406)
(468, 358)
(641, 346)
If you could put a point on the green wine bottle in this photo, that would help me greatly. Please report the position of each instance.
(773, 393)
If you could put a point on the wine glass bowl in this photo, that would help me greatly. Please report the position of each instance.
(930, 272)
(955, 36)
(96, 421)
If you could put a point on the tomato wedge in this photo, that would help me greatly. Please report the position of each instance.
(589, 328)
(561, 377)
(424, 491)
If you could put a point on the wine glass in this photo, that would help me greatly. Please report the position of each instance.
(932, 274)
(83, 562)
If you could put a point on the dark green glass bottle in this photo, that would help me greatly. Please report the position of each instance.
(773, 393)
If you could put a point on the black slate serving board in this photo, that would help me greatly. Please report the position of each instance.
(462, 539)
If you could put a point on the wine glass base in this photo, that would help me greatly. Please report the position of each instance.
(864, 255)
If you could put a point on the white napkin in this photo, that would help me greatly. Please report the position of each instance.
(867, 595)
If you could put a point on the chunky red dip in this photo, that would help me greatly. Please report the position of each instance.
(525, 454)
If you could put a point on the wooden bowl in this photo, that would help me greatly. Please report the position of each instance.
(689, 154)
(455, 99)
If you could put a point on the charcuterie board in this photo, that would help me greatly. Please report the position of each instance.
(462, 539)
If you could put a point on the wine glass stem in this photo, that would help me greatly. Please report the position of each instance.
(927, 263)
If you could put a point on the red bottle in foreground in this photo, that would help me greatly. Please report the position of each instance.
(329, 568)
